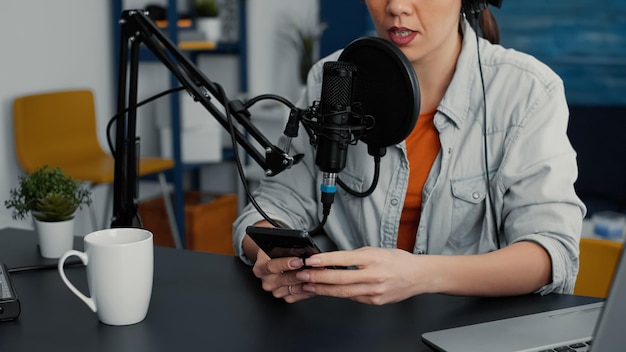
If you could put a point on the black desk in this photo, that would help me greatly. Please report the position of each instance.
(211, 302)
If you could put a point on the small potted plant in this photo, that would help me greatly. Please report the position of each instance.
(52, 198)
(207, 19)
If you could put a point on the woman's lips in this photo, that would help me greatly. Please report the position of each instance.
(401, 36)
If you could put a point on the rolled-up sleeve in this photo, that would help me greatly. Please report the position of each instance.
(537, 183)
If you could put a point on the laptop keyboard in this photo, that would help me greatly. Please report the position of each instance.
(577, 347)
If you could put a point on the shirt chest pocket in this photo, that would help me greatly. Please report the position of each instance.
(471, 191)
(468, 211)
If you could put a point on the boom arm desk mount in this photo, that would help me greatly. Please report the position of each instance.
(137, 29)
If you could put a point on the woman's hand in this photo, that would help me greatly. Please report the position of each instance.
(387, 275)
(382, 275)
(278, 276)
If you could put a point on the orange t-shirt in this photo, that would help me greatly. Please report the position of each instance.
(422, 147)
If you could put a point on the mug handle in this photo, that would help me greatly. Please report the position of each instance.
(83, 257)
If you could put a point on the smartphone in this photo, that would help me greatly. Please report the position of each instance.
(282, 242)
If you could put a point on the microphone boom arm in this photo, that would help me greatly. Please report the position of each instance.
(137, 28)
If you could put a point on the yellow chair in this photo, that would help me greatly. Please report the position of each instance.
(59, 129)
(598, 261)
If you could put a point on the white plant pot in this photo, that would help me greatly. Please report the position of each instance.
(55, 238)
(211, 27)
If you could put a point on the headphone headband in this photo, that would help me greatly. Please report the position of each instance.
(477, 6)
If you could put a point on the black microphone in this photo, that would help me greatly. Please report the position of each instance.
(335, 109)
(333, 130)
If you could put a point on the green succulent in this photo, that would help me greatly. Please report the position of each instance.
(54, 207)
(49, 194)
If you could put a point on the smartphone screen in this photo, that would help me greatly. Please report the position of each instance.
(283, 242)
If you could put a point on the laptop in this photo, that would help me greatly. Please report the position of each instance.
(594, 327)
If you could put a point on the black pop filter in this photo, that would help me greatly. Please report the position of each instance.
(387, 89)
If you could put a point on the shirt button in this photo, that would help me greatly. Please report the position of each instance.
(394, 201)
(420, 251)
(475, 195)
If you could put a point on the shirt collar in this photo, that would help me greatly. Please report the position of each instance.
(456, 101)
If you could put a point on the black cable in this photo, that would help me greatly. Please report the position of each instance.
(372, 186)
(143, 102)
(43, 267)
(238, 163)
(278, 98)
(320, 226)
(485, 142)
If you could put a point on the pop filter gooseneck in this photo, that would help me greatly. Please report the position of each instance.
(386, 87)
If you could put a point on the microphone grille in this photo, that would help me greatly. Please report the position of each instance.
(337, 83)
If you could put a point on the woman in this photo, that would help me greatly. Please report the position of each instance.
(432, 224)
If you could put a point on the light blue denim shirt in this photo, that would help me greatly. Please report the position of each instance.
(532, 169)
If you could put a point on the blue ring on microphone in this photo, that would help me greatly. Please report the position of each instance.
(328, 188)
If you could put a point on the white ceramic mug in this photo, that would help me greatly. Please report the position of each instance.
(120, 266)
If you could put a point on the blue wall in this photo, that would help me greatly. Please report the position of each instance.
(584, 41)
(346, 20)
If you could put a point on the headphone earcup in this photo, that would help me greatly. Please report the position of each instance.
(473, 6)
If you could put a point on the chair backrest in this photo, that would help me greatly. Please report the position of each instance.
(53, 127)
(598, 261)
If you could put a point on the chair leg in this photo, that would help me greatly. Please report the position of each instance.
(169, 209)
(93, 217)
(92, 212)
(108, 208)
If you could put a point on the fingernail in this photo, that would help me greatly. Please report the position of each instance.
(308, 288)
(312, 261)
(303, 275)
(295, 263)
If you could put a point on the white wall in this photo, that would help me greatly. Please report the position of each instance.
(272, 63)
(272, 69)
(68, 44)
(50, 45)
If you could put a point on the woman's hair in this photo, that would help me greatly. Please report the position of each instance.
(489, 27)
(485, 25)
